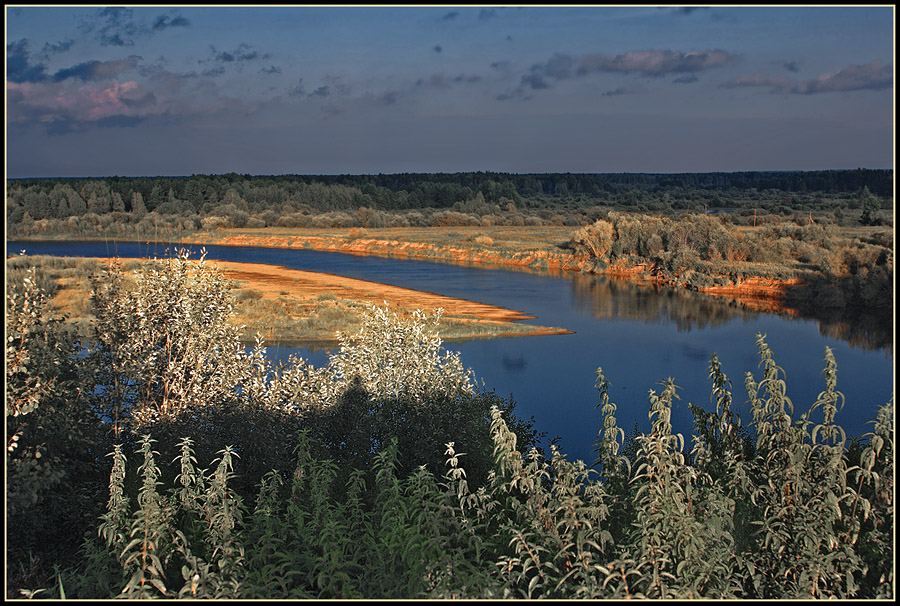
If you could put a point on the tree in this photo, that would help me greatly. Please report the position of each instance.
(870, 206)
(137, 204)
(77, 205)
(165, 341)
(118, 205)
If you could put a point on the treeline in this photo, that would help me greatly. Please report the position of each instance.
(168, 461)
(550, 197)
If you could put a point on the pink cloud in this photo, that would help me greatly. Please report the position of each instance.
(871, 76)
(108, 101)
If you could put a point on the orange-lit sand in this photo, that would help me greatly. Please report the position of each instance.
(306, 287)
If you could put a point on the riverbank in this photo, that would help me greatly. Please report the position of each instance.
(530, 249)
(825, 281)
(288, 306)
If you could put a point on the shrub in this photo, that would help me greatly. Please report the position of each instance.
(54, 440)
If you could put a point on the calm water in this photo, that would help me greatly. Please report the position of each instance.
(638, 336)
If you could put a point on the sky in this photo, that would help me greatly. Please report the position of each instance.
(172, 90)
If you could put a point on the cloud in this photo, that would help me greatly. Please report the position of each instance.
(558, 67)
(270, 70)
(52, 103)
(335, 86)
(214, 72)
(487, 13)
(97, 70)
(387, 98)
(685, 79)
(244, 52)
(298, 90)
(463, 79)
(165, 22)
(624, 90)
(518, 93)
(790, 66)
(649, 63)
(450, 16)
(89, 94)
(871, 76)
(434, 81)
(442, 82)
(655, 62)
(438, 48)
(59, 47)
(322, 91)
(687, 10)
(534, 81)
(18, 64)
(114, 26)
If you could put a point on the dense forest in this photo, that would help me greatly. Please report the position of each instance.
(165, 459)
(232, 200)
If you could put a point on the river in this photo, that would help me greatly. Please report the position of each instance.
(638, 336)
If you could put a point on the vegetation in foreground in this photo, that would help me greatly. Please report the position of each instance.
(387, 474)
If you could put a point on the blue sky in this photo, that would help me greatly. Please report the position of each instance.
(170, 90)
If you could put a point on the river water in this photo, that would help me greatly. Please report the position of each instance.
(638, 336)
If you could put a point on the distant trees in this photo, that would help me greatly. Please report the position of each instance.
(481, 194)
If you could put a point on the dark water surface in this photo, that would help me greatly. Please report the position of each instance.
(638, 336)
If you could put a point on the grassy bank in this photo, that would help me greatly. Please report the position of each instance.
(286, 306)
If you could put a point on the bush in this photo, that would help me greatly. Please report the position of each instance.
(55, 442)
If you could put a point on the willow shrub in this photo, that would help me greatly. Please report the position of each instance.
(774, 511)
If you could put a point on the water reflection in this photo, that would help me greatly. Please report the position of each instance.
(608, 298)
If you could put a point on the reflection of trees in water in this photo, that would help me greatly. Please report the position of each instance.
(865, 330)
(607, 298)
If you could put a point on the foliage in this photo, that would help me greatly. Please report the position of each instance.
(536, 527)
(165, 343)
(164, 207)
(54, 439)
